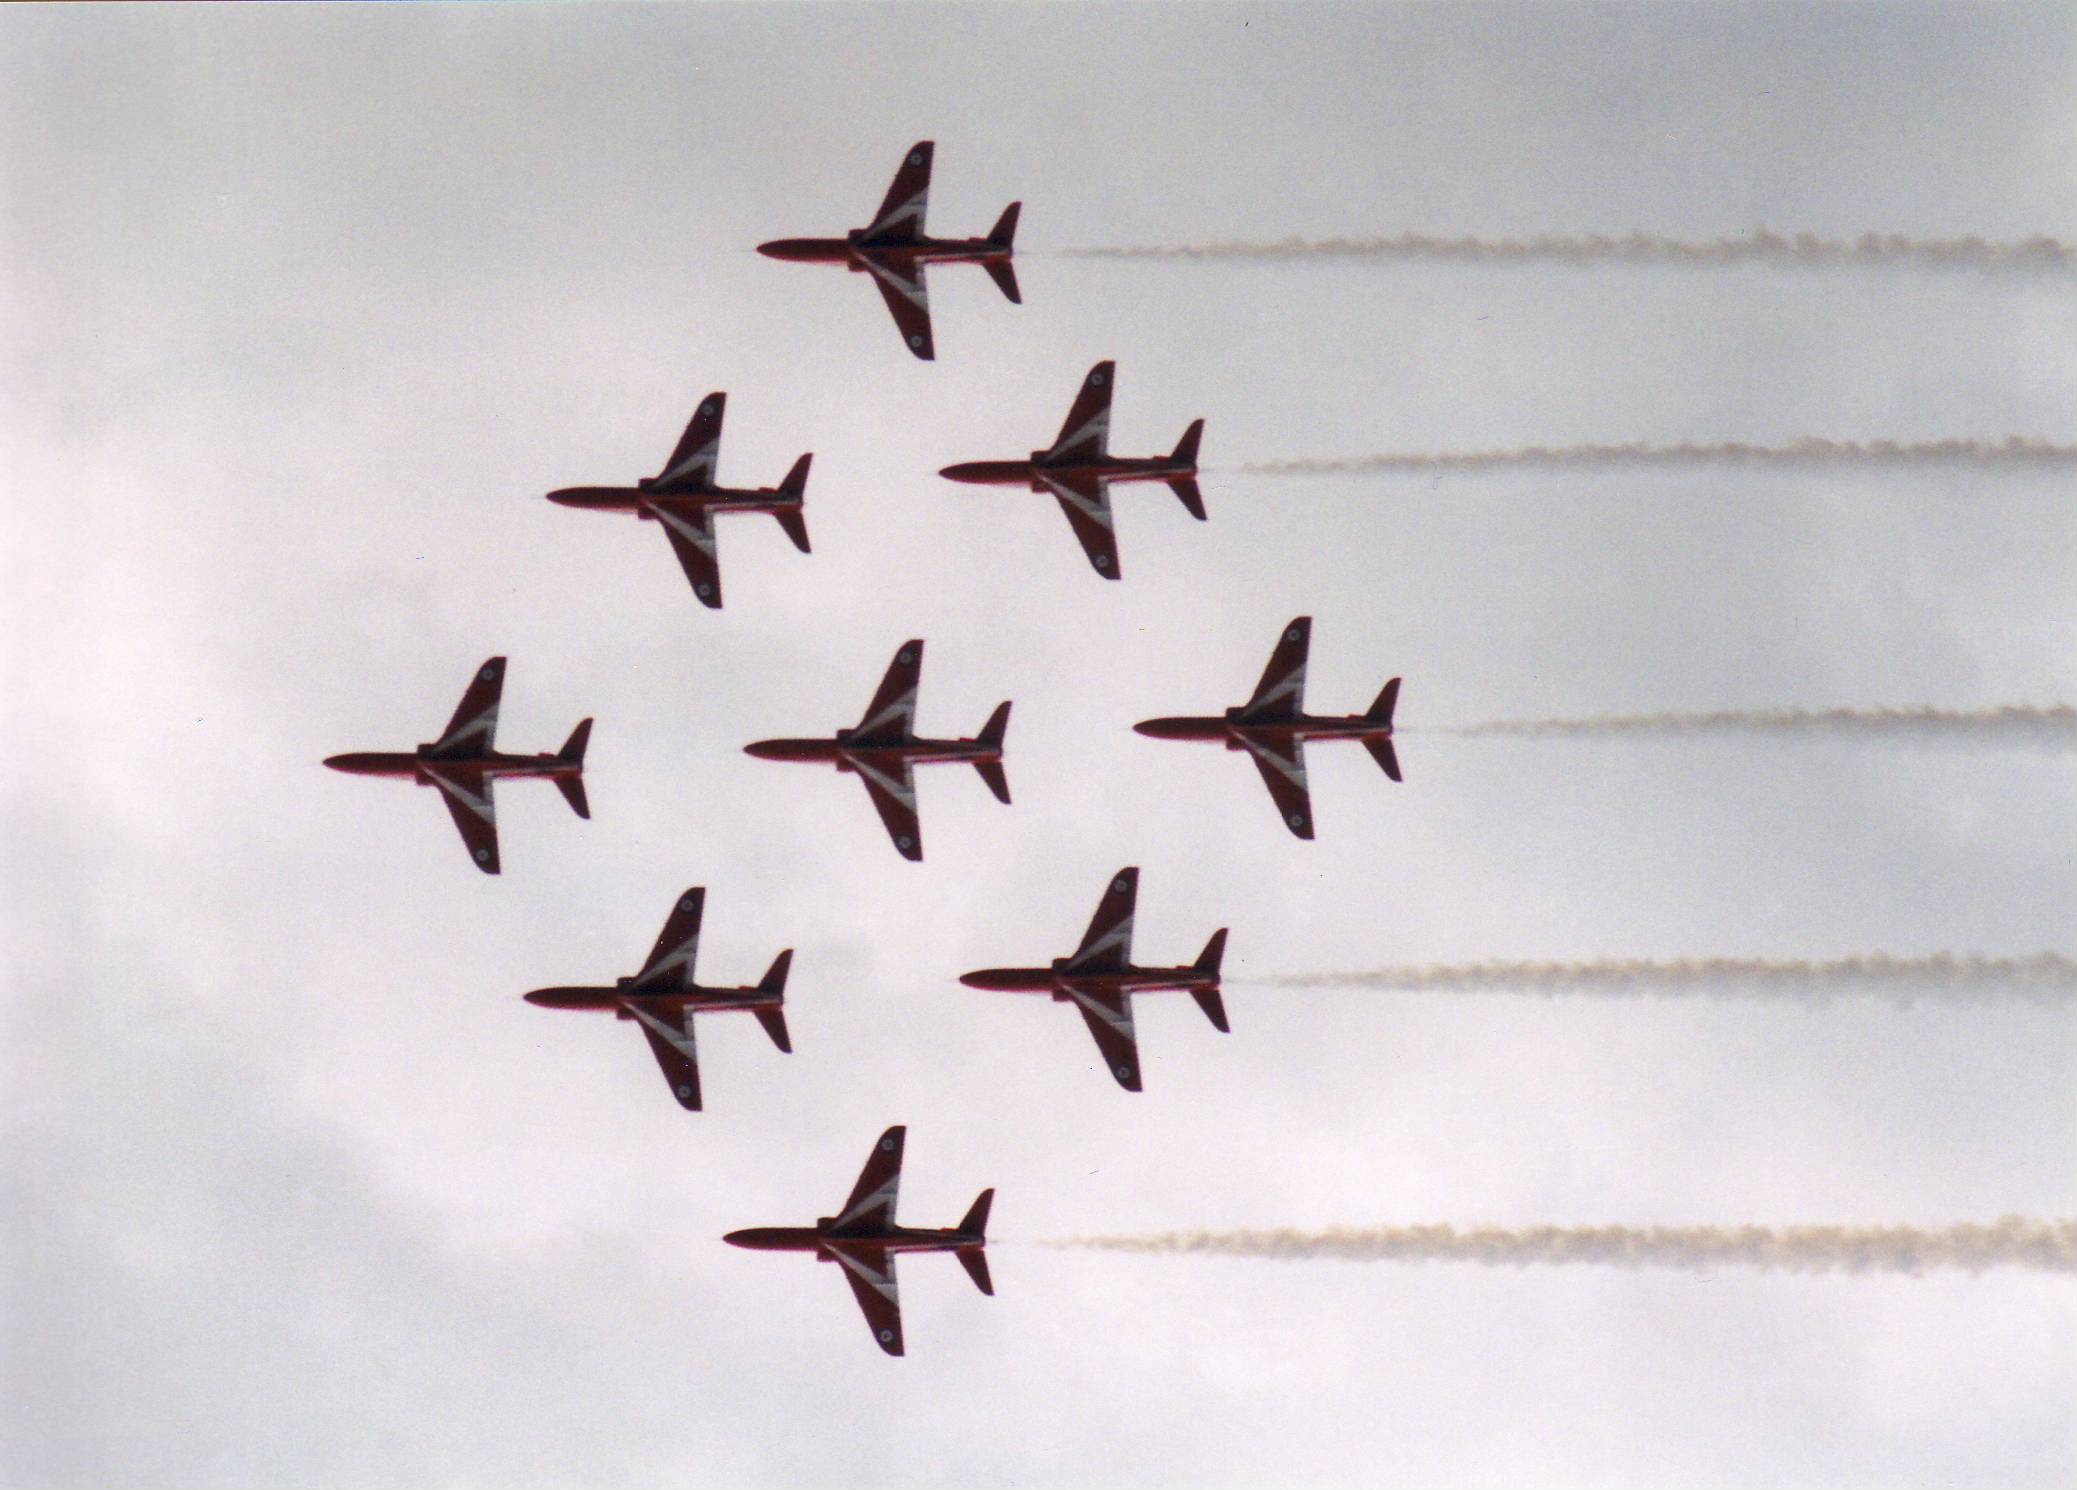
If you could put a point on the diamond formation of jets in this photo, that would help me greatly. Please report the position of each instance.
(1273, 727)
(684, 499)
(894, 249)
(1079, 470)
(883, 747)
(1100, 979)
(464, 762)
(664, 998)
(863, 1239)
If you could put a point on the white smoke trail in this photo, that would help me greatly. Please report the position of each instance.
(1804, 453)
(1941, 979)
(2020, 724)
(2011, 1241)
(1759, 247)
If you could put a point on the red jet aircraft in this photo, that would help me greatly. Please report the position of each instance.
(1079, 470)
(463, 763)
(893, 250)
(663, 998)
(883, 746)
(1100, 979)
(864, 1238)
(1273, 727)
(684, 499)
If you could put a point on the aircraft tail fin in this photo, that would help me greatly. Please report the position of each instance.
(1208, 999)
(794, 491)
(976, 1218)
(773, 1016)
(1381, 751)
(572, 754)
(1004, 273)
(1185, 454)
(1380, 712)
(991, 735)
(975, 1261)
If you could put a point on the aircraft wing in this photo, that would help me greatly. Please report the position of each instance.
(1087, 504)
(691, 466)
(1109, 1017)
(1087, 431)
(902, 286)
(467, 795)
(900, 218)
(1107, 945)
(870, 1272)
(891, 716)
(1281, 693)
(872, 1199)
(677, 945)
(691, 531)
(894, 795)
(1281, 760)
(475, 722)
(670, 1036)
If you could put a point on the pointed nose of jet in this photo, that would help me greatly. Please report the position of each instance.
(739, 1238)
(967, 470)
(795, 250)
(765, 750)
(355, 763)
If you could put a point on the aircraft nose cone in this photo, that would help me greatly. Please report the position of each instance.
(336, 762)
(762, 749)
(565, 497)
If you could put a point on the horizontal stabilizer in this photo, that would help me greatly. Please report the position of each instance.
(1004, 233)
(572, 752)
(1004, 273)
(1185, 488)
(1382, 752)
(1213, 954)
(975, 1221)
(1185, 453)
(1380, 712)
(1214, 1008)
(774, 1022)
(991, 735)
(975, 1261)
(572, 788)
(774, 980)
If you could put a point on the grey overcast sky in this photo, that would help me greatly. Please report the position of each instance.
(307, 306)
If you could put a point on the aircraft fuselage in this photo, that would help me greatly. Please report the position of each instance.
(854, 248)
(615, 999)
(1230, 728)
(1032, 473)
(643, 499)
(412, 764)
(839, 752)
(1054, 979)
(814, 1238)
